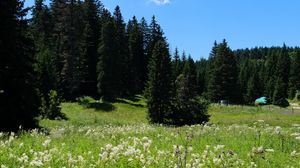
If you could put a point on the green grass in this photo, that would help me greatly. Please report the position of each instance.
(272, 115)
(119, 135)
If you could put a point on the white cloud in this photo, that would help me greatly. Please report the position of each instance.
(161, 2)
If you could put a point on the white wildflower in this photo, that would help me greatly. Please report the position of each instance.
(46, 142)
(294, 153)
(270, 150)
(37, 163)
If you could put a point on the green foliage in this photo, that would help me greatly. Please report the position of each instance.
(52, 110)
(189, 112)
(159, 85)
(294, 81)
(223, 74)
(19, 100)
(137, 59)
(109, 76)
(85, 101)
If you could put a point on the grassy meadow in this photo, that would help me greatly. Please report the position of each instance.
(118, 135)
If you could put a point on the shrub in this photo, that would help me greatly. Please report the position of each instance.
(282, 102)
(52, 109)
(85, 101)
(190, 112)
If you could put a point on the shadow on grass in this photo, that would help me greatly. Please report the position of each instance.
(129, 103)
(103, 106)
(133, 98)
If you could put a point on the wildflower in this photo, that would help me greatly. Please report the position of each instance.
(295, 134)
(270, 150)
(294, 153)
(21, 145)
(46, 142)
(190, 149)
(80, 158)
(259, 150)
(37, 163)
(219, 147)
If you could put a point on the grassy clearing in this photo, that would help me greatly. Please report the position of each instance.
(118, 135)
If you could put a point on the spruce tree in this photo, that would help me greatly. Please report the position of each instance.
(109, 76)
(122, 58)
(19, 100)
(92, 10)
(156, 34)
(223, 80)
(270, 77)
(136, 59)
(294, 81)
(159, 84)
(282, 75)
(253, 89)
(144, 28)
(41, 33)
(176, 63)
(67, 35)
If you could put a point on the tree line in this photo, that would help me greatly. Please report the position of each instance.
(243, 75)
(75, 48)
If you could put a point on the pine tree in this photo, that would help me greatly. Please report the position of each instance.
(223, 80)
(294, 81)
(19, 100)
(159, 84)
(41, 32)
(122, 57)
(187, 81)
(156, 34)
(176, 63)
(144, 28)
(89, 45)
(253, 88)
(282, 74)
(67, 35)
(270, 77)
(136, 59)
(109, 76)
(202, 76)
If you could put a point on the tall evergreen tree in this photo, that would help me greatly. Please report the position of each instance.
(294, 81)
(223, 81)
(19, 100)
(270, 77)
(176, 63)
(89, 45)
(160, 84)
(136, 59)
(146, 38)
(282, 75)
(67, 35)
(109, 75)
(156, 34)
(122, 60)
(41, 32)
(253, 88)
(189, 73)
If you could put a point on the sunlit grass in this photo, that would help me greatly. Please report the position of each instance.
(118, 135)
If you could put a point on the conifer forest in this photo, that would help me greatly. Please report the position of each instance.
(82, 87)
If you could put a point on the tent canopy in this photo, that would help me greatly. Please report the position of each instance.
(261, 100)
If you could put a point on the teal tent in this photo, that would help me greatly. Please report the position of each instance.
(261, 101)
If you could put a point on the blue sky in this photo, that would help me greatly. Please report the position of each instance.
(193, 25)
